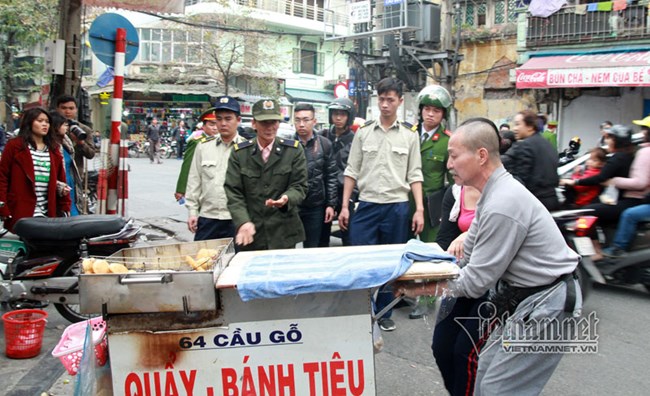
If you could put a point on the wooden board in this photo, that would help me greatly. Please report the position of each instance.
(431, 270)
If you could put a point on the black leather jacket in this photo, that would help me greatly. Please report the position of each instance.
(533, 161)
(341, 151)
(321, 173)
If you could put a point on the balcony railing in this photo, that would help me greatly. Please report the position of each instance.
(298, 9)
(567, 27)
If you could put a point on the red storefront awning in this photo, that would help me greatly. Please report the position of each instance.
(621, 69)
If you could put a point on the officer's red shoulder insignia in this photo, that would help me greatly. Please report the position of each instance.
(289, 143)
(447, 132)
(242, 145)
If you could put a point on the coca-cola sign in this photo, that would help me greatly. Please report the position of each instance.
(531, 78)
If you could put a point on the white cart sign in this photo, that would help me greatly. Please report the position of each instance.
(359, 12)
(315, 356)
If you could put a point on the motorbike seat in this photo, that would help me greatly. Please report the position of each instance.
(68, 228)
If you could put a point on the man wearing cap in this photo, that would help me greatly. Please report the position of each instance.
(205, 197)
(208, 129)
(265, 182)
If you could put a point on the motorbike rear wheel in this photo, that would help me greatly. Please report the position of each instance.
(71, 312)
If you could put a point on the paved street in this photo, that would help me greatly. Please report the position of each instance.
(406, 366)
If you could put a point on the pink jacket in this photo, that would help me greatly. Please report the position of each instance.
(638, 184)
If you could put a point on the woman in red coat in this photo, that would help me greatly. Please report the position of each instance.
(30, 168)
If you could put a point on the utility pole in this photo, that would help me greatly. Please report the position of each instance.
(69, 30)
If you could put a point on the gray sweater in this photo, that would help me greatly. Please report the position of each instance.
(513, 238)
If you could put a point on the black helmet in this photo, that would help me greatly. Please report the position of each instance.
(575, 143)
(344, 104)
(622, 135)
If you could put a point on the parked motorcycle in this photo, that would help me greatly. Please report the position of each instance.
(135, 149)
(47, 268)
(581, 228)
(91, 192)
(167, 147)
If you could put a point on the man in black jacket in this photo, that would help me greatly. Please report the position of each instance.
(318, 207)
(341, 117)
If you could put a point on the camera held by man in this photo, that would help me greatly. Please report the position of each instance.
(76, 130)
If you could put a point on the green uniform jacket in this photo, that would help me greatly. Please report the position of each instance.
(190, 147)
(551, 137)
(434, 170)
(250, 182)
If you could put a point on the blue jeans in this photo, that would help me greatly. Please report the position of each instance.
(313, 220)
(626, 230)
(380, 224)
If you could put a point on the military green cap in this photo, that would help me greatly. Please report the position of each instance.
(267, 110)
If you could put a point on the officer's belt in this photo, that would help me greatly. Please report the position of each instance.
(507, 297)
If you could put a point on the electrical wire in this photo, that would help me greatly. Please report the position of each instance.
(227, 28)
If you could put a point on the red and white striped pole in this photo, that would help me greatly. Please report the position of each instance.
(117, 191)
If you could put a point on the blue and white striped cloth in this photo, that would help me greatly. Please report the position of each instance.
(302, 271)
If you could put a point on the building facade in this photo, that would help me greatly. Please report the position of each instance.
(247, 49)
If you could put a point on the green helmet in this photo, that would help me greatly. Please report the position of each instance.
(435, 95)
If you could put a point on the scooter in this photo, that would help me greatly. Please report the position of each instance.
(135, 149)
(569, 154)
(581, 228)
(46, 269)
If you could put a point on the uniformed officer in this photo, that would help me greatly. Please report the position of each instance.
(434, 104)
(208, 130)
(265, 182)
(205, 197)
(385, 163)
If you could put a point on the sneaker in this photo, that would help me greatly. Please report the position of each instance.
(387, 324)
(614, 252)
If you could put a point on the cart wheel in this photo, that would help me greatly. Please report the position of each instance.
(71, 311)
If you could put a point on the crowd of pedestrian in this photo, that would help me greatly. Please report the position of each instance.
(388, 181)
(483, 193)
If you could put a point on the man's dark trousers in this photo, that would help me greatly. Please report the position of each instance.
(380, 224)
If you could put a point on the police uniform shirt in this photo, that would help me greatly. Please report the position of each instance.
(205, 195)
(385, 162)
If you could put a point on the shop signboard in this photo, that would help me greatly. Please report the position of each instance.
(626, 69)
(308, 356)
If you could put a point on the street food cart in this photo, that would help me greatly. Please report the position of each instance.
(176, 330)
